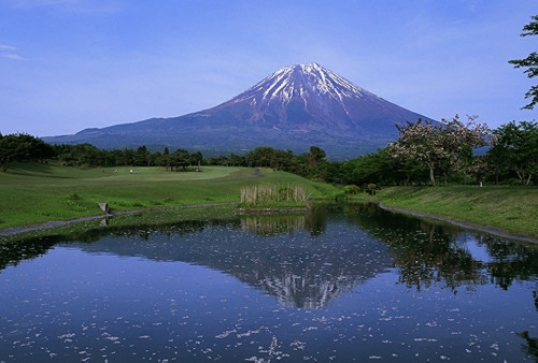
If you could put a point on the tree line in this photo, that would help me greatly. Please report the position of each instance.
(452, 152)
(425, 153)
(23, 147)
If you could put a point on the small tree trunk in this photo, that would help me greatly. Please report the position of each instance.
(432, 176)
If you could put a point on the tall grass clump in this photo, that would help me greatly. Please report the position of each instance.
(273, 194)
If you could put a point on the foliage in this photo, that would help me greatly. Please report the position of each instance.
(352, 189)
(377, 168)
(516, 147)
(22, 147)
(531, 63)
(424, 153)
(439, 146)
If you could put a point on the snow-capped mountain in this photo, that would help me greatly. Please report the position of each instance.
(308, 97)
(294, 108)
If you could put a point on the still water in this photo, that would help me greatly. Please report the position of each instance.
(342, 283)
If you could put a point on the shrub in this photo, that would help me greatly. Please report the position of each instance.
(269, 193)
(351, 189)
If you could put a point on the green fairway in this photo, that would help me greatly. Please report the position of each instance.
(37, 193)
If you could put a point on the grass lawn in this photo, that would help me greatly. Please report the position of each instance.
(511, 208)
(32, 193)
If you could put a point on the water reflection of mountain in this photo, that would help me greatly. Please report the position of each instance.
(297, 265)
(307, 261)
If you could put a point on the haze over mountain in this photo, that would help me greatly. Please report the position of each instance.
(294, 108)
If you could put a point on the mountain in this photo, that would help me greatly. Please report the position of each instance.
(294, 108)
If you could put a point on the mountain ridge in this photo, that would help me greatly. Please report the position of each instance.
(294, 108)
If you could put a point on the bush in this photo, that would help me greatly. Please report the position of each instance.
(352, 189)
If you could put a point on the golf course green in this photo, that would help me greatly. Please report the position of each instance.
(35, 193)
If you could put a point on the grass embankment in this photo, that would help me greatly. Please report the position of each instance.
(38, 193)
(513, 209)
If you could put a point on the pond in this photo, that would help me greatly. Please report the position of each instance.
(342, 283)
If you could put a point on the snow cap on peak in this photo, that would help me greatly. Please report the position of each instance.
(303, 82)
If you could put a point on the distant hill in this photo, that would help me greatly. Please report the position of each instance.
(294, 108)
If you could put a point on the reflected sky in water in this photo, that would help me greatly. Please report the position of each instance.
(343, 283)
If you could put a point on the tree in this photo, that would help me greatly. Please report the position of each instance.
(438, 146)
(260, 156)
(531, 63)
(23, 147)
(166, 157)
(316, 163)
(376, 168)
(314, 156)
(143, 156)
(475, 166)
(236, 160)
(517, 145)
(182, 158)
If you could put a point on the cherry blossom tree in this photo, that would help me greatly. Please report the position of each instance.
(439, 145)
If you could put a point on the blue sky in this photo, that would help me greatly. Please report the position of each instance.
(67, 65)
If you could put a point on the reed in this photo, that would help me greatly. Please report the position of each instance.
(273, 194)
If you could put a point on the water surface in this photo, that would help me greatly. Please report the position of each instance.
(343, 283)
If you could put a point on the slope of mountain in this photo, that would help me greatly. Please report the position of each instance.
(294, 108)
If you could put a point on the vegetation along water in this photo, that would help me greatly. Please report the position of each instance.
(492, 186)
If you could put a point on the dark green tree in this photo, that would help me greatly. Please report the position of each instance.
(260, 156)
(531, 63)
(23, 147)
(517, 146)
(183, 159)
(143, 156)
(166, 157)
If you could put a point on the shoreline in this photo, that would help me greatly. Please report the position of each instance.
(520, 237)
(54, 224)
(496, 231)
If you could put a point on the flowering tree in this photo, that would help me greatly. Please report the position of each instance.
(439, 145)
(477, 167)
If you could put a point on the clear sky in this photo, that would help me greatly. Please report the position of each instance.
(67, 65)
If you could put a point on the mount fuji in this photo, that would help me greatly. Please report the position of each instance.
(294, 108)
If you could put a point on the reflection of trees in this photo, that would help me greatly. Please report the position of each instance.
(434, 252)
(14, 253)
(27, 249)
(511, 261)
(307, 269)
(424, 252)
(270, 225)
(306, 261)
(530, 347)
(314, 221)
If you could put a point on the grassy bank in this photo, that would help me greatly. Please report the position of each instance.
(513, 209)
(38, 193)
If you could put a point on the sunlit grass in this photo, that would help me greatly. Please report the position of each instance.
(513, 209)
(37, 193)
